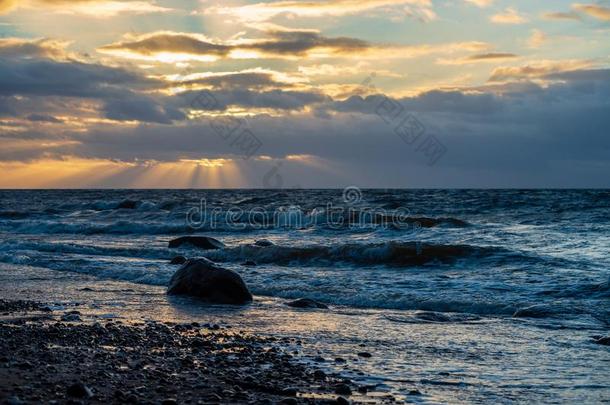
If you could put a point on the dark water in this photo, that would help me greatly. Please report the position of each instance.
(476, 252)
(469, 296)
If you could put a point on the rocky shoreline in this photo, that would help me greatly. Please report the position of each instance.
(50, 357)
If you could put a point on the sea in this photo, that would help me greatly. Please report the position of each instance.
(459, 296)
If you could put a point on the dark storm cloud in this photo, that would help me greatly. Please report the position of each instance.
(540, 136)
(431, 101)
(273, 99)
(43, 118)
(45, 77)
(136, 107)
(116, 88)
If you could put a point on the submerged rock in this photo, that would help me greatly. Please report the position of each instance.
(343, 389)
(603, 340)
(306, 303)
(263, 243)
(204, 279)
(202, 242)
(534, 311)
(71, 317)
(127, 204)
(249, 263)
(178, 260)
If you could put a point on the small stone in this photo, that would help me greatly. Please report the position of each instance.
(342, 401)
(414, 392)
(289, 392)
(70, 318)
(263, 243)
(306, 303)
(79, 390)
(249, 263)
(319, 375)
(169, 401)
(365, 354)
(14, 401)
(603, 340)
(289, 401)
(343, 389)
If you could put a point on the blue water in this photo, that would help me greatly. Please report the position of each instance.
(478, 260)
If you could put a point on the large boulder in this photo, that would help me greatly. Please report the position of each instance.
(204, 279)
(202, 242)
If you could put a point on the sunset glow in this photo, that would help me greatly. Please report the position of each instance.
(102, 86)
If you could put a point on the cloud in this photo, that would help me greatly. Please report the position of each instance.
(594, 10)
(7, 5)
(537, 39)
(246, 79)
(536, 70)
(89, 8)
(26, 48)
(518, 139)
(223, 99)
(45, 77)
(172, 47)
(28, 71)
(258, 12)
(44, 118)
(480, 3)
(491, 57)
(509, 16)
(562, 16)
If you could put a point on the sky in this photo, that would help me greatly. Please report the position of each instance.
(306, 94)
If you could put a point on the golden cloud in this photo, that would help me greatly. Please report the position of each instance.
(173, 47)
(478, 58)
(537, 69)
(334, 8)
(91, 8)
(509, 16)
(594, 10)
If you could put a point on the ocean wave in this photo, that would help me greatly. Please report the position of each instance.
(390, 253)
(91, 228)
(14, 214)
(74, 248)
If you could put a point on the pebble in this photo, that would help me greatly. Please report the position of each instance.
(342, 401)
(79, 390)
(289, 392)
(343, 389)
